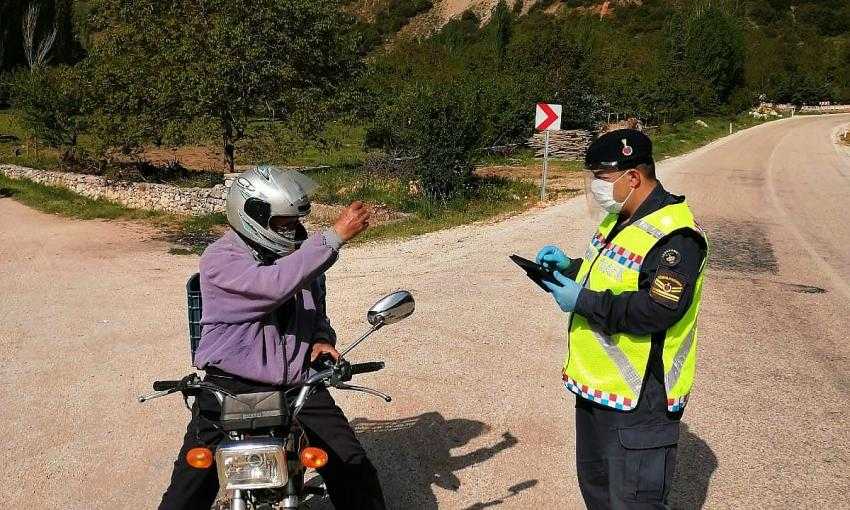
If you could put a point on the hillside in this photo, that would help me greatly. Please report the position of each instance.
(423, 17)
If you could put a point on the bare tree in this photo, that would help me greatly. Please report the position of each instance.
(37, 56)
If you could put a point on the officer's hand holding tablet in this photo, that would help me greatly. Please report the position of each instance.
(546, 273)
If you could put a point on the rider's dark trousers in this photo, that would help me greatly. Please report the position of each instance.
(626, 460)
(351, 479)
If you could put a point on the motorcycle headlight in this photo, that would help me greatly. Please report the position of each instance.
(257, 463)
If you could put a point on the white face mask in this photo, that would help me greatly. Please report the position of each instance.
(603, 193)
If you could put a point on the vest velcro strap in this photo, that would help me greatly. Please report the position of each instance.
(618, 357)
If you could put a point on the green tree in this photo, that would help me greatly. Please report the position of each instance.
(502, 19)
(160, 64)
(52, 103)
(705, 45)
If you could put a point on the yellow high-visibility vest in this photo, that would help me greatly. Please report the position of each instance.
(609, 370)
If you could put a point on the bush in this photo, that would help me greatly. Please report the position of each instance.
(52, 104)
(438, 124)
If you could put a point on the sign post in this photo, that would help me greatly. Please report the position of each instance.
(547, 118)
(545, 167)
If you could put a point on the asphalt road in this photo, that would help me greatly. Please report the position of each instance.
(92, 312)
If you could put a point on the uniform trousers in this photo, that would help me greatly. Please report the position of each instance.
(627, 459)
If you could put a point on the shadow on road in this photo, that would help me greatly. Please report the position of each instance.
(412, 454)
(696, 465)
(513, 490)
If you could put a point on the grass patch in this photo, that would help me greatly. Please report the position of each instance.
(192, 233)
(499, 197)
(56, 200)
(676, 139)
(489, 197)
(16, 146)
(345, 184)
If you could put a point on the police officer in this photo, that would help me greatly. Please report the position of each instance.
(633, 301)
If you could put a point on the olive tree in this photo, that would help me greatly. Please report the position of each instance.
(52, 104)
(160, 64)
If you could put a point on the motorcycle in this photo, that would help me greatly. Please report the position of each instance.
(264, 458)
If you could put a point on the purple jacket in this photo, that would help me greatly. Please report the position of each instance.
(260, 321)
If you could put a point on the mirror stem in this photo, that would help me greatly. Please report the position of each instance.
(374, 328)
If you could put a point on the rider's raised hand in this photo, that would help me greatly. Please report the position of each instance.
(353, 220)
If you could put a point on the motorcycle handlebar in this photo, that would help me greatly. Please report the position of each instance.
(333, 376)
(165, 385)
(364, 368)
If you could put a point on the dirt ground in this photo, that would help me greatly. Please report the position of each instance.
(557, 179)
(92, 312)
(202, 158)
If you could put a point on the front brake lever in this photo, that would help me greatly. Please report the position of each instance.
(370, 391)
(156, 394)
(341, 373)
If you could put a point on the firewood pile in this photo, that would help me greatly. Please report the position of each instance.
(566, 144)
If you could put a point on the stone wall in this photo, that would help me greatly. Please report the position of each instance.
(137, 195)
(835, 108)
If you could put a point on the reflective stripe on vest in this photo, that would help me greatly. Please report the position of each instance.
(610, 369)
(672, 375)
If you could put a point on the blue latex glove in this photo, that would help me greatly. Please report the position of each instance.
(565, 294)
(552, 257)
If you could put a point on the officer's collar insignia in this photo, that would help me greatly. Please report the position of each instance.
(627, 149)
(671, 257)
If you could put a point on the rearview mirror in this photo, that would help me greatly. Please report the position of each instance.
(391, 308)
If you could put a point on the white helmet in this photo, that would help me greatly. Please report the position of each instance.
(262, 193)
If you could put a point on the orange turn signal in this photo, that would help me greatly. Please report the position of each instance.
(200, 458)
(313, 457)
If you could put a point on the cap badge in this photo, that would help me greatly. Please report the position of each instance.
(627, 149)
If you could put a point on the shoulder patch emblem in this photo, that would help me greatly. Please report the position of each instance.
(667, 288)
(671, 257)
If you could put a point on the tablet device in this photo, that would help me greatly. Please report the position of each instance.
(535, 271)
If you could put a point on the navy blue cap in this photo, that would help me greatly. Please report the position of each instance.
(618, 150)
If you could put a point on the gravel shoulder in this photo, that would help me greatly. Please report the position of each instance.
(92, 312)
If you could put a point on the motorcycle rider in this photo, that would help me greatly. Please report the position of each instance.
(264, 321)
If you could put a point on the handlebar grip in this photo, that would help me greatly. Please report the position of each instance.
(165, 385)
(362, 368)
